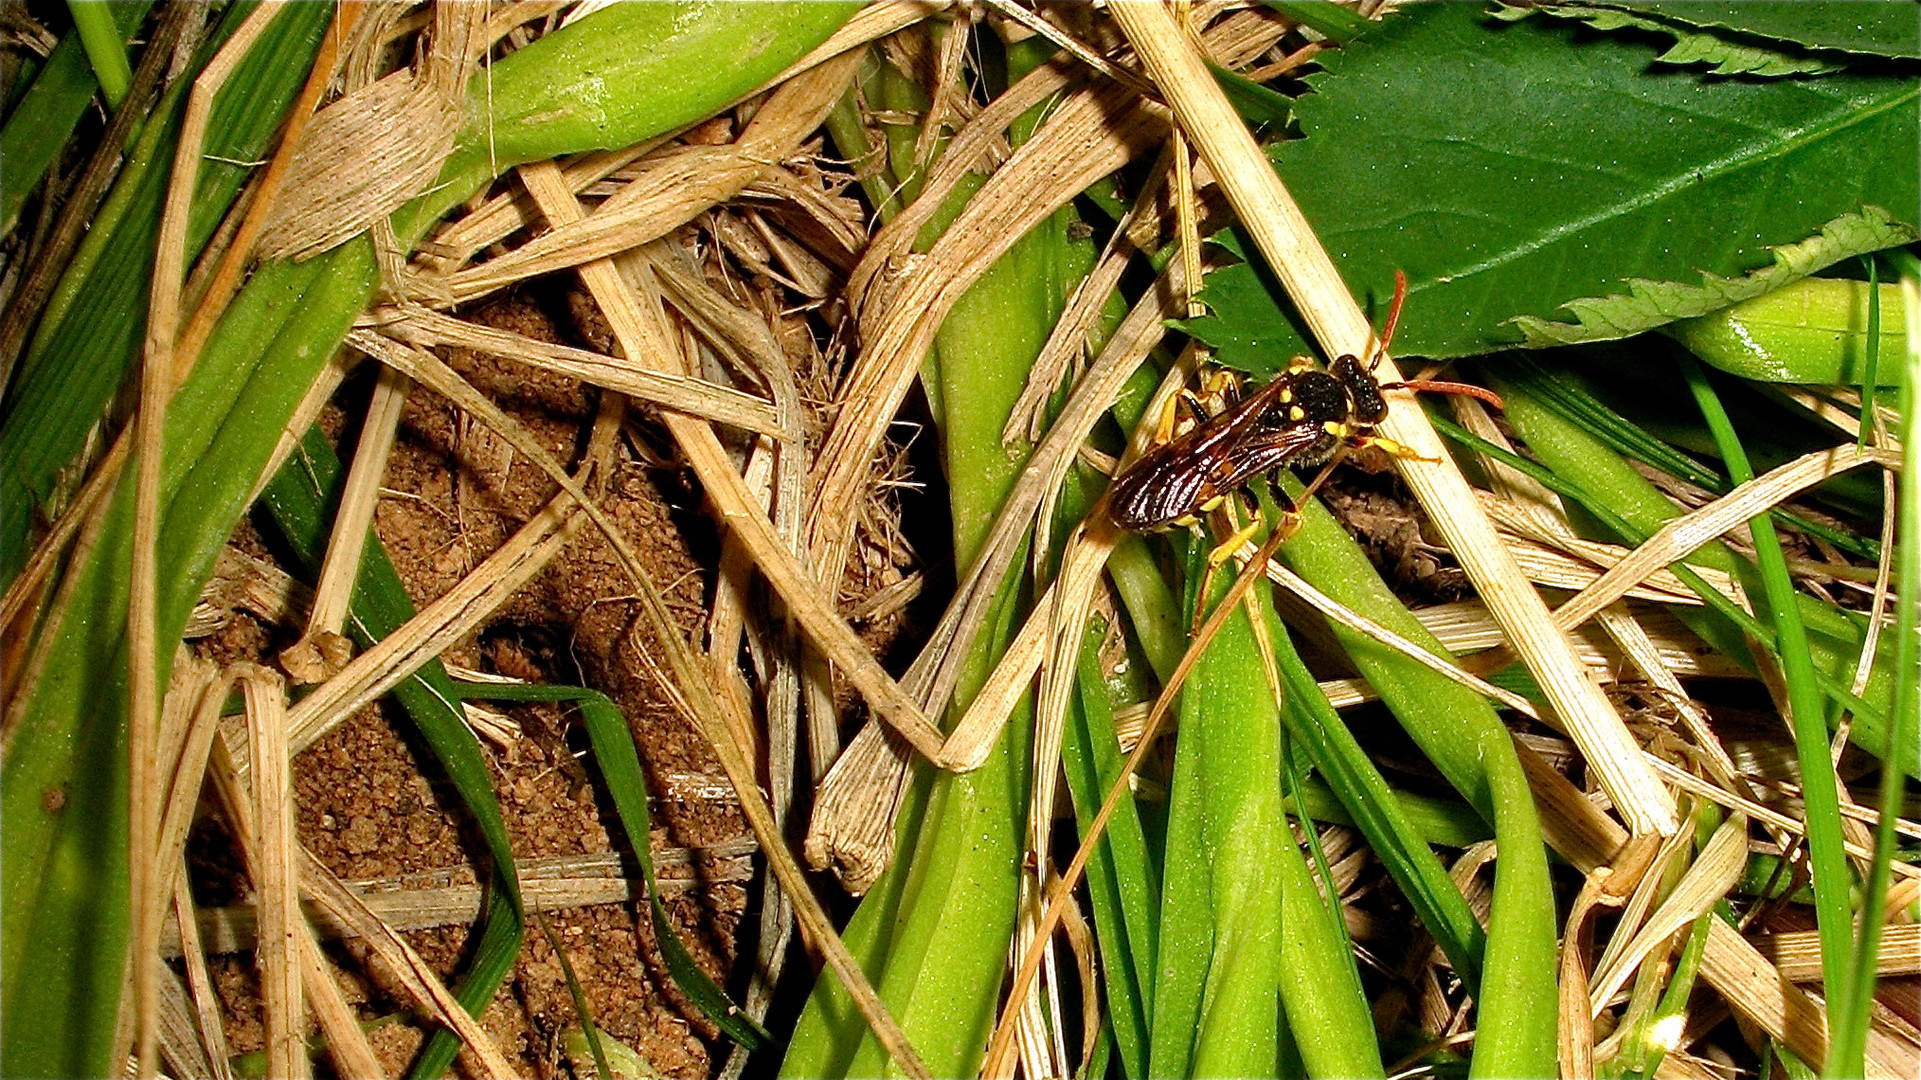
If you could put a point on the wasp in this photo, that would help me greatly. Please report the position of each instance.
(1302, 417)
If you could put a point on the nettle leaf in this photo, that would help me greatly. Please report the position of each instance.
(1868, 27)
(1648, 304)
(1728, 57)
(1521, 171)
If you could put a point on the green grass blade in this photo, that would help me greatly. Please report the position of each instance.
(1848, 1043)
(1122, 878)
(619, 762)
(589, 1030)
(1870, 381)
(1461, 734)
(1365, 796)
(1833, 881)
(1219, 967)
(39, 126)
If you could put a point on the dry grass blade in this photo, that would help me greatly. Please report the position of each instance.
(436, 626)
(321, 649)
(683, 393)
(1683, 535)
(381, 144)
(1086, 138)
(277, 873)
(1713, 872)
(1294, 253)
(1797, 953)
(213, 1032)
(226, 277)
(1773, 819)
(679, 183)
(643, 336)
(157, 382)
(453, 896)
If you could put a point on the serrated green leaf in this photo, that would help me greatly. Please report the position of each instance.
(1653, 303)
(1730, 56)
(1512, 168)
(1871, 27)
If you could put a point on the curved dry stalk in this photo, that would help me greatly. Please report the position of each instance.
(1683, 535)
(157, 382)
(277, 873)
(1302, 264)
(683, 393)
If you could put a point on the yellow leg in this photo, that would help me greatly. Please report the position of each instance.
(1226, 548)
(1164, 429)
(1392, 448)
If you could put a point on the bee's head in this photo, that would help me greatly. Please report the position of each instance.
(1365, 403)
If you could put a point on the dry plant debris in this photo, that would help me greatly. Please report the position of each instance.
(655, 420)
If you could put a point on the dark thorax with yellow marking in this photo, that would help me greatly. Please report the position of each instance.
(1300, 418)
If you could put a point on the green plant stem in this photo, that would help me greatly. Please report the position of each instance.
(106, 49)
(1847, 1046)
(1461, 734)
(1833, 881)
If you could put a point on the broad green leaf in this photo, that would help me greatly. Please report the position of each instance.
(1526, 170)
(1873, 27)
(1733, 52)
(1729, 57)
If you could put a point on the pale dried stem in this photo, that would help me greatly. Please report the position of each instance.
(450, 897)
(1797, 953)
(1774, 819)
(683, 393)
(276, 872)
(1685, 534)
(157, 381)
(340, 569)
(212, 1026)
(1298, 259)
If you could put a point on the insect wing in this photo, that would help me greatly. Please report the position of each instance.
(1161, 488)
(1255, 454)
